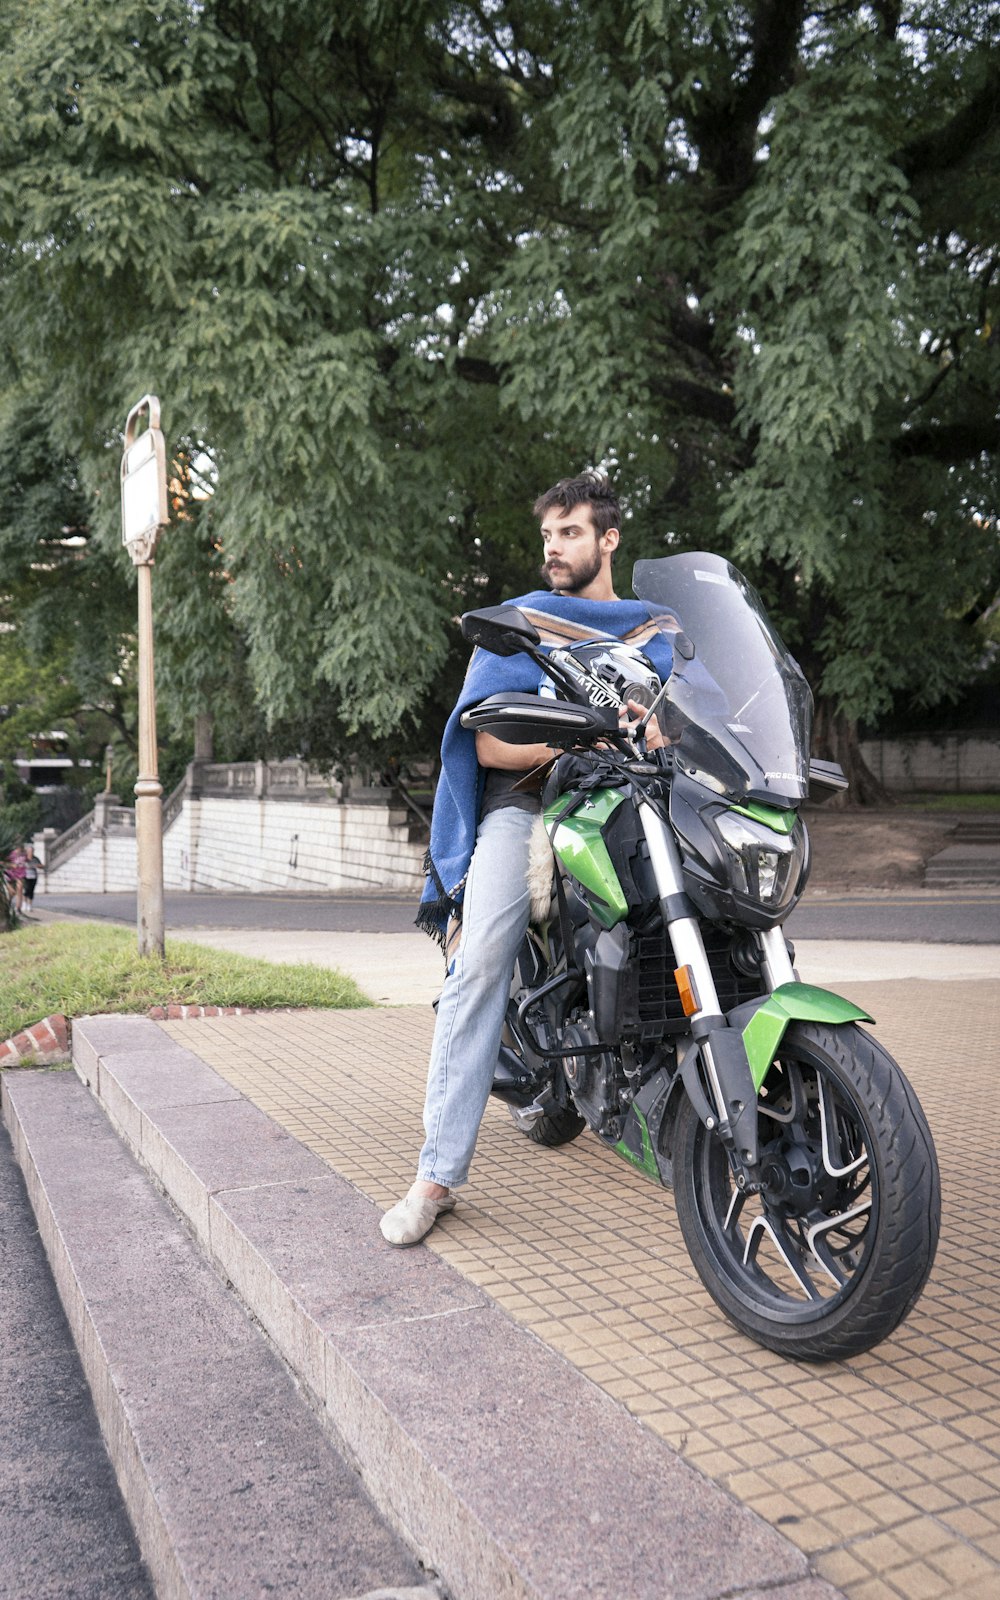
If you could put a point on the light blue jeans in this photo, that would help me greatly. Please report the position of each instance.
(474, 998)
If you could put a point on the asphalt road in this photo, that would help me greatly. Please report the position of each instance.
(915, 916)
(313, 913)
(923, 916)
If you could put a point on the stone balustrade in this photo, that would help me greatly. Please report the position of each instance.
(251, 826)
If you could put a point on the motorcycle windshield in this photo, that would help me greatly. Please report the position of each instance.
(739, 713)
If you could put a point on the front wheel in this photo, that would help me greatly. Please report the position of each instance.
(832, 1255)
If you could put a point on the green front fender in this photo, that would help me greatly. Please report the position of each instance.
(791, 1002)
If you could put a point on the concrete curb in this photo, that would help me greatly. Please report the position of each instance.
(506, 1471)
(228, 1476)
(47, 1042)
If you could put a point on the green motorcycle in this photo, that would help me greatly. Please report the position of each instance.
(654, 999)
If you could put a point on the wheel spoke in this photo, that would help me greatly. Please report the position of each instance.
(818, 1244)
(835, 1138)
(735, 1210)
(786, 1246)
(795, 1093)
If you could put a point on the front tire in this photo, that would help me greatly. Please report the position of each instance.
(830, 1258)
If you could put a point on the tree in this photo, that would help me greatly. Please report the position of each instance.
(61, 642)
(781, 224)
(67, 616)
(394, 269)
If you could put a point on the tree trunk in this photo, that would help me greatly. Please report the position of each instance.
(835, 738)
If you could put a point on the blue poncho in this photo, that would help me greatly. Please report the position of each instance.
(561, 620)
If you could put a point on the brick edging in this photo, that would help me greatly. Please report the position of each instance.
(179, 1013)
(43, 1043)
(48, 1041)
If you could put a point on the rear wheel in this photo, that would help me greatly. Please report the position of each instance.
(555, 1127)
(834, 1252)
(562, 1122)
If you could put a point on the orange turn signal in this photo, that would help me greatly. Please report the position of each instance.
(684, 978)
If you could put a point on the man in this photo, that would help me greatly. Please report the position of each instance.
(480, 833)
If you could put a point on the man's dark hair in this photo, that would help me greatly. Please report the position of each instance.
(590, 488)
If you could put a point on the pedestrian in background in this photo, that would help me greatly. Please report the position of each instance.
(30, 876)
(15, 872)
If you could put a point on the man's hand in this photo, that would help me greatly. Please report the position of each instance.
(654, 734)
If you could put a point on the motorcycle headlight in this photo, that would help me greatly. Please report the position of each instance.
(763, 864)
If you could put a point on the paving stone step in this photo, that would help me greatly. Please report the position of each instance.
(964, 868)
(65, 1529)
(940, 873)
(509, 1473)
(229, 1476)
(967, 881)
(969, 859)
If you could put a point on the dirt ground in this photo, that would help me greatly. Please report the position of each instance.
(869, 849)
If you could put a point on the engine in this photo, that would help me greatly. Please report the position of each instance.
(596, 1080)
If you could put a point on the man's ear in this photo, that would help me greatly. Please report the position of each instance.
(613, 535)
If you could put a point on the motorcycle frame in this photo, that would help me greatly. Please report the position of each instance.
(727, 1054)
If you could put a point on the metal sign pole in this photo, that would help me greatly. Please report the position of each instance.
(144, 513)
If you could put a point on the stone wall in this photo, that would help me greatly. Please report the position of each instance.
(250, 828)
(104, 865)
(954, 763)
(269, 844)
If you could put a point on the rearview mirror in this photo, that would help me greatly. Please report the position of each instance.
(503, 630)
(826, 779)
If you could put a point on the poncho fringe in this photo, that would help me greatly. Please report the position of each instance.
(435, 914)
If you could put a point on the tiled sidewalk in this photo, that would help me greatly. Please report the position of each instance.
(886, 1470)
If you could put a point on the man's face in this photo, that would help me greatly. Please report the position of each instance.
(574, 550)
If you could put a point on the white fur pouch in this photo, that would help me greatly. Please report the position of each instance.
(541, 867)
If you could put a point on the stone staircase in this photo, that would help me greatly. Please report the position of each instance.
(234, 1484)
(971, 859)
(291, 1408)
(254, 825)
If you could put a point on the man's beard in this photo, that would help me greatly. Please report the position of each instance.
(570, 579)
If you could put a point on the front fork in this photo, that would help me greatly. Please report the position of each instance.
(731, 1110)
(778, 967)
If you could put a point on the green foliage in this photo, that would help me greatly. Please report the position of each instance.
(82, 969)
(23, 815)
(10, 837)
(392, 270)
(67, 608)
(828, 334)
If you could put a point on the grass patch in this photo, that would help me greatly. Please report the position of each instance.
(86, 968)
(951, 802)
